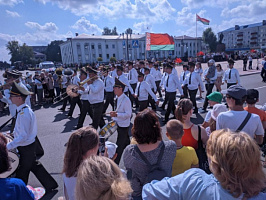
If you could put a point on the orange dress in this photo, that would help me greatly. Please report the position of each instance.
(188, 140)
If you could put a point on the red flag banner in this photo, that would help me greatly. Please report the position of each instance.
(204, 21)
(157, 41)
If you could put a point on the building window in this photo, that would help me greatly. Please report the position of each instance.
(79, 57)
(107, 56)
(86, 46)
(100, 55)
(92, 46)
(93, 55)
(179, 45)
(87, 57)
(106, 46)
(114, 55)
(113, 46)
(99, 46)
(129, 46)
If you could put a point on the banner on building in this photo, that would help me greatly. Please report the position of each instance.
(158, 41)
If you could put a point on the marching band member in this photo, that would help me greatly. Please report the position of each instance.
(109, 83)
(84, 97)
(25, 133)
(113, 73)
(75, 100)
(133, 79)
(192, 82)
(152, 69)
(151, 81)
(142, 92)
(183, 75)
(95, 97)
(231, 75)
(66, 81)
(121, 76)
(158, 78)
(122, 117)
(171, 85)
(141, 66)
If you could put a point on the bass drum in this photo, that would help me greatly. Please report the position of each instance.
(108, 130)
(13, 159)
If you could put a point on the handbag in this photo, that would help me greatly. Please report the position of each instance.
(201, 153)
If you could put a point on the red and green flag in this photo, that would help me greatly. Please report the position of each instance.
(158, 41)
(204, 21)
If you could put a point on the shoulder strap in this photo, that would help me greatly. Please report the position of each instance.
(244, 122)
(199, 137)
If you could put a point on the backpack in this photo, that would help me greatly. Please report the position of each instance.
(155, 172)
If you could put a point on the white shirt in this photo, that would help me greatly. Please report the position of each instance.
(84, 94)
(124, 111)
(124, 79)
(6, 99)
(69, 186)
(133, 76)
(195, 81)
(158, 75)
(174, 71)
(208, 116)
(233, 119)
(113, 73)
(143, 89)
(220, 73)
(151, 81)
(37, 81)
(213, 79)
(25, 128)
(75, 80)
(163, 79)
(153, 71)
(96, 92)
(109, 83)
(183, 76)
(235, 78)
(173, 84)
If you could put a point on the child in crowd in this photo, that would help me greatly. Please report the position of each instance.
(186, 156)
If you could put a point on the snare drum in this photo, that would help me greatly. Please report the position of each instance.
(13, 158)
(108, 130)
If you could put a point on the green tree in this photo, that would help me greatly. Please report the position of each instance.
(13, 48)
(113, 59)
(53, 52)
(26, 53)
(210, 38)
(114, 31)
(107, 31)
(129, 31)
(99, 59)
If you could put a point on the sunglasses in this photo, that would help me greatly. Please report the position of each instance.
(228, 97)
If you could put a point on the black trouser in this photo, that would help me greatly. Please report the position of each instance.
(209, 88)
(74, 101)
(97, 117)
(109, 99)
(158, 88)
(192, 96)
(171, 96)
(151, 102)
(28, 163)
(250, 65)
(143, 105)
(230, 84)
(66, 98)
(245, 67)
(132, 99)
(185, 91)
(263, 74)
(85, 109)
(122, 142)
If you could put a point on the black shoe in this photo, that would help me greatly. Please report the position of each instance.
(61, 109)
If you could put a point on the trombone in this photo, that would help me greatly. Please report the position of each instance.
(72, 90)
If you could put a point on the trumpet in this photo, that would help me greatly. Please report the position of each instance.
(72, 90)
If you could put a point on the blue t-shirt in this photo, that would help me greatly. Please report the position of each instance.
(194, 184)
(14, 189)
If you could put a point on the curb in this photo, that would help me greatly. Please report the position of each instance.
(249, 74)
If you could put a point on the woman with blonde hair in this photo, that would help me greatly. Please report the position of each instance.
(100, 178)
(183, 113)
(82, 143)
(236, 167)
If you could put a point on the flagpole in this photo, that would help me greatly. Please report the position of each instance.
(196, 38)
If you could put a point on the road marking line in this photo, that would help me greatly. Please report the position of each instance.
(260, 87)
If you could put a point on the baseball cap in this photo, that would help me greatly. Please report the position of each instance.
(111, 149)
(253, 94)
(215, 96)
(236, 91)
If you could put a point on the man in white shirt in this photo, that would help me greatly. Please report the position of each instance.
(133, 79)
(121, 116)
(75, 100)
(171, 85)
(236, 116)
(250, 62)
(183, 75)
(141, 66)
(121, 76)
(109, 83)
(151, 81)
(113, 73)
(25, 133)
(158, 78)
(192, 82)
(66, 81)
(231, 75)
(143, 91)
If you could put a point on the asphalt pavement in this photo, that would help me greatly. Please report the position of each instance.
(54, 129)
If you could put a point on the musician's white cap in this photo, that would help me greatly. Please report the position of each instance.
(111, 149)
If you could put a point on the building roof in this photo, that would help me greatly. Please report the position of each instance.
(108, 37)
(243, 27)
(185, 37)
(38, 53)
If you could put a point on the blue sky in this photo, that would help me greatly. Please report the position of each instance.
(38, 22)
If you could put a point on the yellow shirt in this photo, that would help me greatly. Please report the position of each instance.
(185, 157)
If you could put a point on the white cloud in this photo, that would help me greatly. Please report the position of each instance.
(86, 26)
(10, 2)
(47, 27)
(142, 27)
(186, 18)
(208, 3)
(12, 14)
